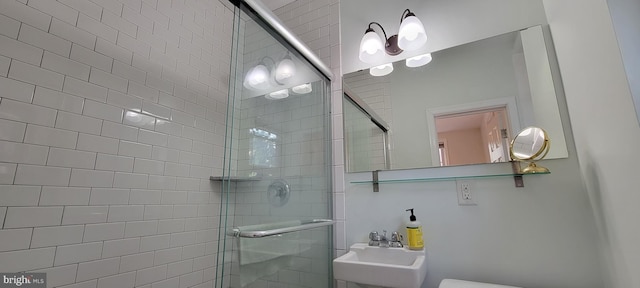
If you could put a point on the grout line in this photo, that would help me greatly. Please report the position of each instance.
(31, 240)
(4, 220)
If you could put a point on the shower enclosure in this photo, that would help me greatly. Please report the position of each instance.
(275, 212)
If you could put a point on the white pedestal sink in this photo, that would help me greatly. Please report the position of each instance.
(386, 267)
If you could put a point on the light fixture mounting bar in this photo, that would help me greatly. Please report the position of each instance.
(390, 43)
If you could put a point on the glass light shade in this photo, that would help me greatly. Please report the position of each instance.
(285, 71)
(371, 47)
(381, 70)
(302, 89)
(257, 78)
(417, 61)
(411, 35)
(280, 94)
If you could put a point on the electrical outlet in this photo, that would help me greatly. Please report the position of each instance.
(465, 193)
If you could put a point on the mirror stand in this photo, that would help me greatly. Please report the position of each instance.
(533, 168)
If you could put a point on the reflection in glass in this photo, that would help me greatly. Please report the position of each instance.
(365, 142)
(264, 146)
(513, 70)
(473, 137)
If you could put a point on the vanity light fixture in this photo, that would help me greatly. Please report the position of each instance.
(411, 36)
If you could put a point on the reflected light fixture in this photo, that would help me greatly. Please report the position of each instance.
(381, 70)
(269, 74)
(285, 70)
(280, 94)
(257, 78)
(417, 61)
(302, 89)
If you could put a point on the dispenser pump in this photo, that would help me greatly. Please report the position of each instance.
(412, 217)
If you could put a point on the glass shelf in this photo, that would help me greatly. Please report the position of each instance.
(448, 173)
(447, 178)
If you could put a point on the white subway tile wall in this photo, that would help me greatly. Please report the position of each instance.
(106, 144)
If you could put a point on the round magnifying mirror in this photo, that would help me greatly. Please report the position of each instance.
(531, 144)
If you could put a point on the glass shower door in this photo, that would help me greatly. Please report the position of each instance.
(274, 227)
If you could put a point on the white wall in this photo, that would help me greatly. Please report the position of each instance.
(542, 235)
(447, 24)
(92, 191)
(605, 128)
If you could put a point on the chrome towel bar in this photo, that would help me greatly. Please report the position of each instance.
(315, 223)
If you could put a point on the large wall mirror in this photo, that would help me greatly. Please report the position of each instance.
(462, 108)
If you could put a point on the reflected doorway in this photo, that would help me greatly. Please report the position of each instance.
(473, 137)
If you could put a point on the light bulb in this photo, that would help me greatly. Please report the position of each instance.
(381, 70)
(411, 34)
(417, 61)
(371, 47)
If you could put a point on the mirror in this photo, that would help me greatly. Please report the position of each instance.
(531, 144)
(506, 79)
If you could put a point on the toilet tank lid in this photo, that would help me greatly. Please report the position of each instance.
(454, 283)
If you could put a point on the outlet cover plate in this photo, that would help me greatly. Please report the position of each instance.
(466, 194)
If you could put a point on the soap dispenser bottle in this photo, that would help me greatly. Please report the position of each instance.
(414, 233)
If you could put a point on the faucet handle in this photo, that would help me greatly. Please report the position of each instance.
(374, 238)
(396, 240)
(384, 241)
(396, 237)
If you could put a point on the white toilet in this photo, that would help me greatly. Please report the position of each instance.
(453, 283)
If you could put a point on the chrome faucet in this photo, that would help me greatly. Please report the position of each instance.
(384, 242)
(376, 239)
